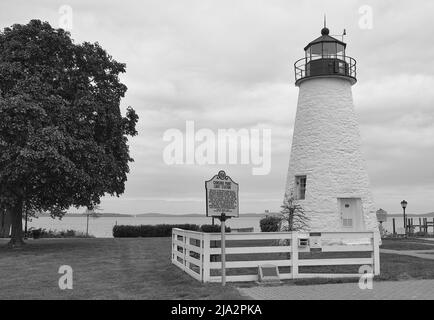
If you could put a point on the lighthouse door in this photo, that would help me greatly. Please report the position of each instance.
(350, 213)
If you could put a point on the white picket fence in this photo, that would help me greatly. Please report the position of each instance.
(193, 252)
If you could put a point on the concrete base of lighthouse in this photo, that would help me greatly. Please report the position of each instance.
(326, 152)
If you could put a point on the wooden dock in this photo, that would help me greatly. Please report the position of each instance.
(422, 229)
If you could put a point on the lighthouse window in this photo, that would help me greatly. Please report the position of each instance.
(329, 50)
(340, 49)
(300, 185)
(308, 54)
(316, 51)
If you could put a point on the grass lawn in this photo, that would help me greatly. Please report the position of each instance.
(102, 269)
(140, 268)
(398, 267)
(393, 267)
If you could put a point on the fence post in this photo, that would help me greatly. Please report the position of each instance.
(206, 257)
(173, 245)
(294, 254)
(376, 253)
(184, 249)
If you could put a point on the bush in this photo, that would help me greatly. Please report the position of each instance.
(160, 230)
(269, 224)
(209, 228)
(36, 233)
(47, 234)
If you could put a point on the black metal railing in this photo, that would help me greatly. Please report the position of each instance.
(325, 65)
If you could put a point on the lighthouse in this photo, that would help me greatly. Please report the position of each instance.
(327, 174)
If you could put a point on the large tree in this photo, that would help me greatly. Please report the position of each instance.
(63, 139)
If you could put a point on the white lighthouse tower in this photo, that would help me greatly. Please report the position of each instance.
(327, 173)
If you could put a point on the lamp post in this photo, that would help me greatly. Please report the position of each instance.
(404, 205)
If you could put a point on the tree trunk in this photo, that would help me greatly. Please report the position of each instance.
(291, 222)
(4, 223)
(17, 225)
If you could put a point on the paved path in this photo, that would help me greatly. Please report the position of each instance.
(382, 290)
(424, 254)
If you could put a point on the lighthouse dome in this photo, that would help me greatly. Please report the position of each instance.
(325, 57)
(325, 31)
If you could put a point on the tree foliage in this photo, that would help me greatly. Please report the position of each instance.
(270, 223)
(63, 139)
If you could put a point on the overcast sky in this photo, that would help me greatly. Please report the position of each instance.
(229, 64)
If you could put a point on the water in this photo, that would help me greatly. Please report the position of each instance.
(102, 227)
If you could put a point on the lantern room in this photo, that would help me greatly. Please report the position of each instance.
(325, 57)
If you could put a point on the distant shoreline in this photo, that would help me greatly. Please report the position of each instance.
(119, 215)
(195, 215)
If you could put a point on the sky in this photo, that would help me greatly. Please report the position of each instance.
(229, 64)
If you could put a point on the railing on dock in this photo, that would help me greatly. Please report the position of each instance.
(411, 229)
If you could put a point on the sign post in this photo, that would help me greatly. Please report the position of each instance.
(222, 203)
(223, 247)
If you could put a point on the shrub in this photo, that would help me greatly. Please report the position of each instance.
(209, 228)
(160, 230)
(36, 233)
(44, 233)
(269, 224)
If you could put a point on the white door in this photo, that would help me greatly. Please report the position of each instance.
(351, 213)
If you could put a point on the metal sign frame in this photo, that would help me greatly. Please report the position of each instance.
(223, 177)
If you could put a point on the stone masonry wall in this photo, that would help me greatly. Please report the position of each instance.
(326, 147)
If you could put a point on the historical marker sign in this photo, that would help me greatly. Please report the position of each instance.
(221, 196)
(222, 202)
